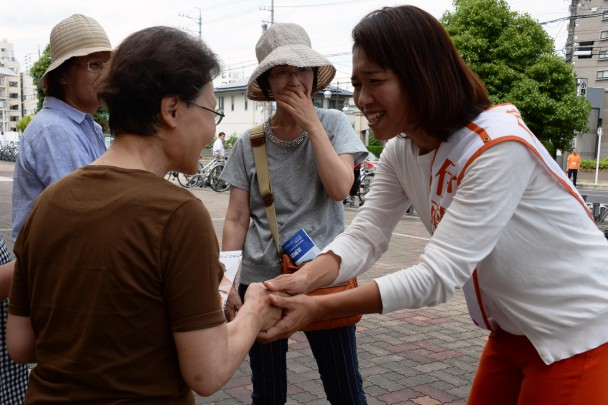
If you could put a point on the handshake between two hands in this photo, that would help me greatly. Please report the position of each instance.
(280, 303)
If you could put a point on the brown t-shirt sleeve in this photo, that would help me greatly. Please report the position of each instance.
(19, 301)
(191, 269)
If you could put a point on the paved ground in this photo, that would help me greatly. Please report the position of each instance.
(424, 357)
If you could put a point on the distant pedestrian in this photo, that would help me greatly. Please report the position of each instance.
(506, 224)
(218, 147)
(574, 162)
(62, 136)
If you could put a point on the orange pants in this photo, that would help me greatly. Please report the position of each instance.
(511, 372)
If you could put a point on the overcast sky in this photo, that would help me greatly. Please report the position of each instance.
(232, 27)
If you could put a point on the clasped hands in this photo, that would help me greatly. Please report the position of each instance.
(284, 293)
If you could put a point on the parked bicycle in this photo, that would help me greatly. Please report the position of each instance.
(182, 178)
(368, 171)
(8, 152)
(209, 176)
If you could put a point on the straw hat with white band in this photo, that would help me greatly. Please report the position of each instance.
(287, 44)
(77, 35)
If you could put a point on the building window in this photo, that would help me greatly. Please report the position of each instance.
(602, 55)
(15, 107)
(220, 103)
(231, 103)
(602, 75)
(14, 119)
(13, 95)
(584, 49)
(605, 15)
(603, 35)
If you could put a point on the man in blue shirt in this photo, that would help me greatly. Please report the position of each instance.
(62, 136)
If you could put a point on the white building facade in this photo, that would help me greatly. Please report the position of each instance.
(587, 51)
(10, 88)
(242, 113)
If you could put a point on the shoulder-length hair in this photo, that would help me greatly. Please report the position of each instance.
(146, 67)
(442, 94)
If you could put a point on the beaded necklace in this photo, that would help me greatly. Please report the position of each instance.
(279, 142)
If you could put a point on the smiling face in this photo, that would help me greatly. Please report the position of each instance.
(378, 94)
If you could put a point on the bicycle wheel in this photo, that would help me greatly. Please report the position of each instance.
(193, 180)
(185, 180)
(214, 179)
(365, 186)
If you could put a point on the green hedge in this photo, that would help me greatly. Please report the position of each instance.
(590, 164)
(376, 150)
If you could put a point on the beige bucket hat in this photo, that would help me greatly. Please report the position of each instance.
(287, 44)
(77, 35)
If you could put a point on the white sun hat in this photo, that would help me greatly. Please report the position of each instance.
(287, 44)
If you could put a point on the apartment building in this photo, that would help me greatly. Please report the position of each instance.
(587, 51)
(10, 88)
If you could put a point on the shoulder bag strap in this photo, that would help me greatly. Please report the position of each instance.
(258, 145)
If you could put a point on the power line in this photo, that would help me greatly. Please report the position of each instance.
(198, 20)
(574, 17)
(327, 4)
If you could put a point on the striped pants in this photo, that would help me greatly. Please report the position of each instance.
(335, 351)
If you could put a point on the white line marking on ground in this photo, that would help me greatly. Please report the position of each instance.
(410, 236)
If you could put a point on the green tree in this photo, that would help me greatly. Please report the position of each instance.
(514, 57)
(23, 122)
(37, 71)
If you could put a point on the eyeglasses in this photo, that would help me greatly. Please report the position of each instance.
(219, 113)
(285, 72)
(94, 65)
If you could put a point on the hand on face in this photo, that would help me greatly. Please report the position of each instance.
(297, 101)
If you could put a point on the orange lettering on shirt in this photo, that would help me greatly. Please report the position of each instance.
(437, 212)
(443, 173)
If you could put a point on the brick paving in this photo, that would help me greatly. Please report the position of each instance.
(410, 357)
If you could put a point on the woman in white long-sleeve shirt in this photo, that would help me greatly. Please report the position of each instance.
(507, 225)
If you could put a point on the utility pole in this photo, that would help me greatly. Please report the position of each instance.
(265, 23)
(571, 28)
(198, 20)
(268, 104)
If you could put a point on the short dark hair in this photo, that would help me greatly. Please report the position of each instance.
(221, 133)
(442, 93)
(146, 67)
(52, 81)
(265, 85)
